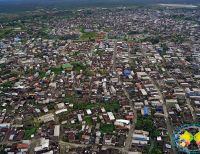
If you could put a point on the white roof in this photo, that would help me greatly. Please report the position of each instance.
(123, 121)
(141, 73)
(57, 130)
(60, 111)
(111, 116)
(171, 101)
(168, 146)
(52, 84)
(134, 152)
(139, 142)
(38, 148)
(61, 105)
(143, 92)
(80, 118)
(44, 143)
(47, 117)
(89, 111)
(4, 125)
(49, 152)
(159, 138)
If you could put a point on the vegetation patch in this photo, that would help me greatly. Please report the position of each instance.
(7, 84)
(109, 106)
(42, 74)
(5, 32)
(57, 70)
(107, 128)
(113, 106)
(77, 66)
(146, 124)
(29, 132)
(75, 126)
(88, 120)
(88, 35)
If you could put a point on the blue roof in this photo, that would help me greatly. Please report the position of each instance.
(127, 72)
(146, 110)
(139, 138)
(17, 39)
(194, 93)
(159, 108)
(195, 66)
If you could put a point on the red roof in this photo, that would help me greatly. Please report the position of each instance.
(22, 146)
(71, 136)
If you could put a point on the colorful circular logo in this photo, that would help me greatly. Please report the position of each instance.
(187, 138)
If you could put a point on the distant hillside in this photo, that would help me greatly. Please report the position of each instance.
(28, 5)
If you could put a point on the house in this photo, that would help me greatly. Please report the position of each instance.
(111, 116)
(5, 125)
(71, 136)
(140, 137)
(122, 124)
(57, 131)
(145, 111)
(47, 118)
(44, 144)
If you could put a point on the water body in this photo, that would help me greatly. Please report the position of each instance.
(179, 5)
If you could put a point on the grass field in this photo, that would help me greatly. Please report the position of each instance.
(88, 36)
(5, 32)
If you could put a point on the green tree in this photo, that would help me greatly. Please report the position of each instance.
(156, 151)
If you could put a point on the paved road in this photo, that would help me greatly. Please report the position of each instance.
(169, 127)
(128, 141)
(114, 57)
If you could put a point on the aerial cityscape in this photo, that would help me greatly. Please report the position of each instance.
(111, 78)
